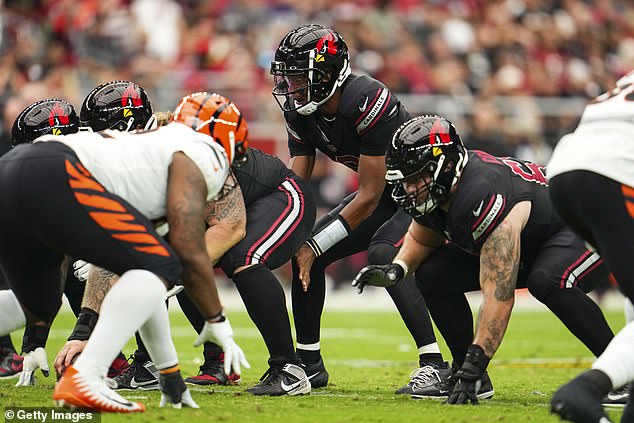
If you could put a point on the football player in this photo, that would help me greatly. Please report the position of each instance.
(592, 187)
(106, 219)
(50, 116)
(350, 118)
(483, 223)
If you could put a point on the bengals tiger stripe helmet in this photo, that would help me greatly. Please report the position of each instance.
(50, 116)
(218, 117)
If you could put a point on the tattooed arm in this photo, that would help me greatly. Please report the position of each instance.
(98, 284)
(499, 264)
(226, 217)
(186, 199)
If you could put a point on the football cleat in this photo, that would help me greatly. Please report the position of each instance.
(617, 398)
(317, 373)
(288, 379)
(75, 390)
(142, 375)
(579, 401)
(443, 388)
(212, 372)
(174, 391)
(425, 378)
(10, 363)
(118, 366)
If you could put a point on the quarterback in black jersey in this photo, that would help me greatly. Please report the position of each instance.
(350, 118)
(483, 223)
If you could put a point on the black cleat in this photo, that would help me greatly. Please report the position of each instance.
(617, 398)
(212, 372)
(287, 379)
(140, 375)
(316, 373)
(425, 381)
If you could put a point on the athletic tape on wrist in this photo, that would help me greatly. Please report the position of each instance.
(403, 265)
(86, 321)
(334, 232)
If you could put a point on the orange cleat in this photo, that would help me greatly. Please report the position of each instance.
(75, 390)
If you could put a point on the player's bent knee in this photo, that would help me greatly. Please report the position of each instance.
(381, 253)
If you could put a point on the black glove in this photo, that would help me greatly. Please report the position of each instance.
(378, 275)
(469, 377)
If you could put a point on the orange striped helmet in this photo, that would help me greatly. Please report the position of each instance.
(218, 117)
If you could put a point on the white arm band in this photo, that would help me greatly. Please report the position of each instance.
(334, 232)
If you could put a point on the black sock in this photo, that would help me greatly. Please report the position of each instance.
(5, 342)
(307, 306)
(265, 302)
(211, 350)
(582, 317)
(431, 358)
(309, 356)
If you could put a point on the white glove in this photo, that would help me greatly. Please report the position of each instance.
(32, 361)
(221, 333)
(82, 269)
(186, 400)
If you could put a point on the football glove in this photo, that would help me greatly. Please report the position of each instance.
(33, 360)
(221, 333)
(378, 275)
(82, 269)
(174, 391)
(469, 377)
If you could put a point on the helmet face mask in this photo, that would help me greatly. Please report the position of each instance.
(51, 116)
(424, 162)
(311, 62)
(218, 117)
(120, 105)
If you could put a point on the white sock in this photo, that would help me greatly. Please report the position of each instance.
(617, 361)
(629, 311)
(157, 338)
(309, 347)
(429, 349)
(12, 316)
(126, 307)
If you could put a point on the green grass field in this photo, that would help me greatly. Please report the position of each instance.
(368, 355)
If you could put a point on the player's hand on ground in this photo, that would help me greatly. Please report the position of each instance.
(33, 360)
(305, 258)
(469, 377)
(383, 275)
(221, 333)
(68, 354)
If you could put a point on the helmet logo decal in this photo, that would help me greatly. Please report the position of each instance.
(438, 134)
(57, 116)
(326, 45)
(127, 112)
(57, 131)
(131, 97)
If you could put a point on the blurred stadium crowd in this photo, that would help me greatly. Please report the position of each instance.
(513, 74)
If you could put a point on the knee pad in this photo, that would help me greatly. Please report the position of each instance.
(381, 253)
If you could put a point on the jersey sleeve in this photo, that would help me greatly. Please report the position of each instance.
(481, 208)
(376, 113)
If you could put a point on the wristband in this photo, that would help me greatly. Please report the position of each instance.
(401, 263)
(331, 234)
(220, 317)
(476, 356)
(34, 337)
(86, 322)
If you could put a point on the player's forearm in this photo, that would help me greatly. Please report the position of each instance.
(98, 284)
(220, 238)
(200, 285)
(359, 209)
(493, 320)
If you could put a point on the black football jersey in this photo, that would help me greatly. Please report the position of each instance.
(367, 116)
(260, 174)
(488, 189)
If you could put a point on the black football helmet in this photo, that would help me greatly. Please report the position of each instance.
(51, 116)
(428, 149)
(311, 62)
(120, 105)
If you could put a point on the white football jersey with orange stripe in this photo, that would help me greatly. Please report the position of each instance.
(135, 165)
(604, 140)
